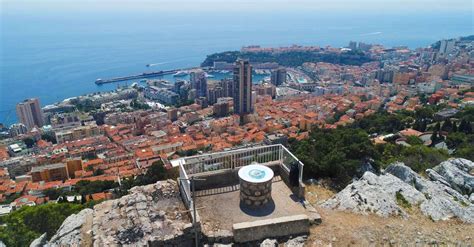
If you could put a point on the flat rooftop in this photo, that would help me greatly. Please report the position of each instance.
(47, 167)
(220, 208)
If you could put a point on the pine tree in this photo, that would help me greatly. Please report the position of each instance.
(455, 127)
(468, 127)
(417, 125)
(465, 126)
(462, 126)
(434, 138)
(437, 127)
(447, 125)
(423, 126)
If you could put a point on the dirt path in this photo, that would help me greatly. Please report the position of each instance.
(348, 229)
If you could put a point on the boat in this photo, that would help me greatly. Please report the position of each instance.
(180, 74)
(209, 75)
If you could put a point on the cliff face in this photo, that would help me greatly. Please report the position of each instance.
(149, 215)
(447, 193)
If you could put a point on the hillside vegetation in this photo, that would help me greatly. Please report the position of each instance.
(346, 152)
(289, 59)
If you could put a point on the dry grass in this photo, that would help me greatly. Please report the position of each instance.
(348, 229)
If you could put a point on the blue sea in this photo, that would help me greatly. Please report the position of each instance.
(58, 53)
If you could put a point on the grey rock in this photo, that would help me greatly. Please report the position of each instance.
(132, 220)
(374, 194)
(458, 173)
(441, 201)
(366, 167)
(269, 243)
(40, 241)
(377, 193)
(296, 242)
(69, 233)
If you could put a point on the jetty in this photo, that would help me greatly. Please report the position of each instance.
(145, 75)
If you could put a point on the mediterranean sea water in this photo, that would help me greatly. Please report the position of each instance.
(58, 53)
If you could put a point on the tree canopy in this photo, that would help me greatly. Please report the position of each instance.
(22, 226)
(290, 58)
(335, 153)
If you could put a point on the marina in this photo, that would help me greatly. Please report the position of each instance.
(175, 72)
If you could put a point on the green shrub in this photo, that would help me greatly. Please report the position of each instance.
(414, 140)
(401, 201)
(24, 225)
(335, 153)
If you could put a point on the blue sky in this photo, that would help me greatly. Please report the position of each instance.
(248, 5)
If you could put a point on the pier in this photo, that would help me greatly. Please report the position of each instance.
(144, 75)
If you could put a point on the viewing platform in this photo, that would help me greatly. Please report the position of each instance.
(222, 215)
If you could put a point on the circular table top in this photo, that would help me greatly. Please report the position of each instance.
(256, 173)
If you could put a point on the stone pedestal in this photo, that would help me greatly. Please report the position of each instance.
(255, 195)
(255, 185)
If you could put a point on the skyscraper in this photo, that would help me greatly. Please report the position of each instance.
(352, 45)
(199, 82)
(243, 87)
(446, 46)
(29, 113)
(278, 76)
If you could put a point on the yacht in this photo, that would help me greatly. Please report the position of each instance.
(180, 74)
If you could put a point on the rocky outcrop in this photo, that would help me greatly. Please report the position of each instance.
(458, 173)
(441, 202)
(150, 215)
(69, 233)
(269, 243)
(39, 242)
(399, 188)
(376, 194)
(298, 241)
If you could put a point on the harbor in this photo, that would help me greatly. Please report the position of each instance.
(182, 74)
(147, 75)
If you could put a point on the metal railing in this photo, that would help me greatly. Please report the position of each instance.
(289, 159)
(233, 159)
(185, 187)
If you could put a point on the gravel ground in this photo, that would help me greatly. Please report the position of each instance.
(348, 229)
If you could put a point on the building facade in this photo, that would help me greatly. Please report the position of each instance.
(198, 81)
(243, 103)
(29, 113)
(51, 172)
(278, 76)
(18, 129)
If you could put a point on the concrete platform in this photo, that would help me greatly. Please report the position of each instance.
(219, 209)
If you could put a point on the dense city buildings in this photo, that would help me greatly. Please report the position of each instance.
(18, 129)
(29, 113)
(116, 136)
